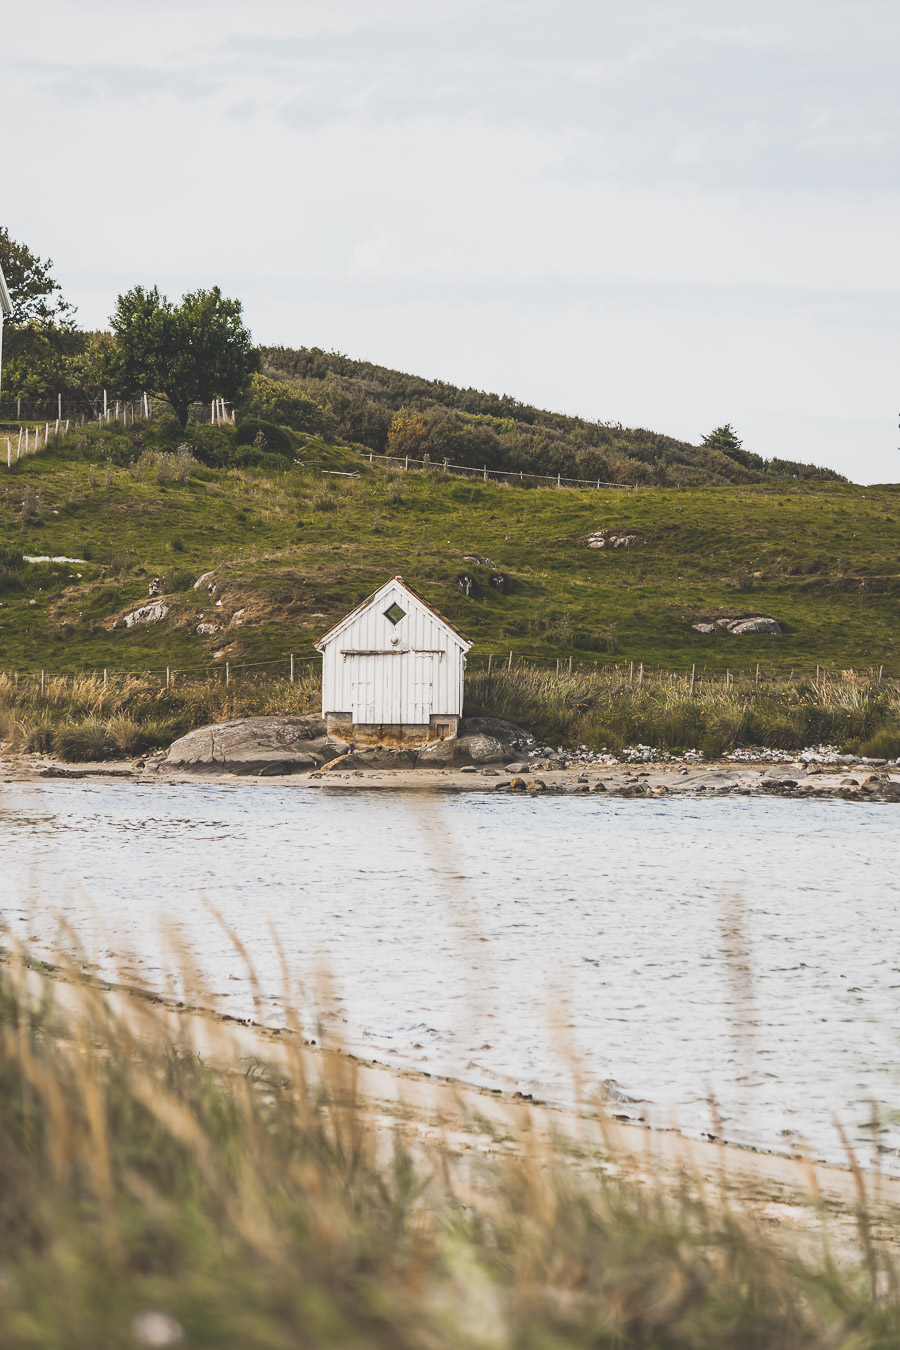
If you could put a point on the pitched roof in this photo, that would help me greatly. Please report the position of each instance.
(404, 585)
(5, 302)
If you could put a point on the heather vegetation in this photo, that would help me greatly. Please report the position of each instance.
(390, 412)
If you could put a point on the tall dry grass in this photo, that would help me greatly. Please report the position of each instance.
(81, 717)
(155, 1192)
(615, 707)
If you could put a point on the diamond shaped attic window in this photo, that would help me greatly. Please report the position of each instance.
(395, 613)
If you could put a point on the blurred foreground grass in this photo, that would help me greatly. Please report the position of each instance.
(147, 1198)
(83, 717)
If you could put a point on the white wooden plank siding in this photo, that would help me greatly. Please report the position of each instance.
(386, 673)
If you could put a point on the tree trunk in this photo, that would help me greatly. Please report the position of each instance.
(181, 410)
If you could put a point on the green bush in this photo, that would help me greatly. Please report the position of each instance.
(885, 744)
(265, 436)
(85, 741)
(278, 403)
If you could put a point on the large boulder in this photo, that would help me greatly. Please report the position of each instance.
(144, 614)
(760, 624)
(508, 734)
(460, 751)
(252, 745)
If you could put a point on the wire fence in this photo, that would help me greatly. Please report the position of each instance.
(293, 667)
(518, 477)
(30, 436)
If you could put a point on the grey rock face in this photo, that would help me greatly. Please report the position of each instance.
(758, 625)
(507, 733)
(476, 749)
(252, 745)
(143, 614)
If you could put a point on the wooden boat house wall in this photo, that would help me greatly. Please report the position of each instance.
(393, 671)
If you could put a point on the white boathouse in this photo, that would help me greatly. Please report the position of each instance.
(393, 671)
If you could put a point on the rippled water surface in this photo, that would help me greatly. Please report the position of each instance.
(667, 950)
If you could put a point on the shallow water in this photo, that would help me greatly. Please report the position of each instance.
(668, 950)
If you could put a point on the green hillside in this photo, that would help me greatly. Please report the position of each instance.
(295, 547)
(470, 427)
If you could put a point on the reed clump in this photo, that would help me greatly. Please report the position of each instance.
(614, 707)
(84, 717)
(156, 1195)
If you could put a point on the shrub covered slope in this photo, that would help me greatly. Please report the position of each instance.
(389, 411)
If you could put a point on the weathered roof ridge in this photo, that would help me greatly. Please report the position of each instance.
(363, 604)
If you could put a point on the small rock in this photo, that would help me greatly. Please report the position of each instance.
(490, 773)
(599, 787)
(519, 784)
(518, 768)
(536, 785)
(157, 1329)
(468, 768)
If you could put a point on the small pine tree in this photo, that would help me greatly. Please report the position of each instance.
(726, 439)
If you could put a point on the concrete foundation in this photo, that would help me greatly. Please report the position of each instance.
(441, 727)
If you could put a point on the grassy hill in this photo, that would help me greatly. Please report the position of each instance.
(293, 549)
(470, 427)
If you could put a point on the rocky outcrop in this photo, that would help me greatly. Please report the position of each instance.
(754, 623)
(621, 538)
(284, 745)
(144, 614)
(253, 745)
(458, 751)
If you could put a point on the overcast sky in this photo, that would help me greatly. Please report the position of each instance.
(669, 213)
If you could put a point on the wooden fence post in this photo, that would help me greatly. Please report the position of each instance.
(228, 672)
(509, 662)
(641, 676)
(693, 677)
(570, 665)
(631, 672)
(168, 677)
(292, 667)
(42, 682)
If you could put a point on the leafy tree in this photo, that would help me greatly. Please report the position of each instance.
(275, 401)
(36, 298)
(40, 334)
(188, 353)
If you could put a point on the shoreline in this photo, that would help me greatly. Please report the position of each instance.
(715, 778)
(793, 1196)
